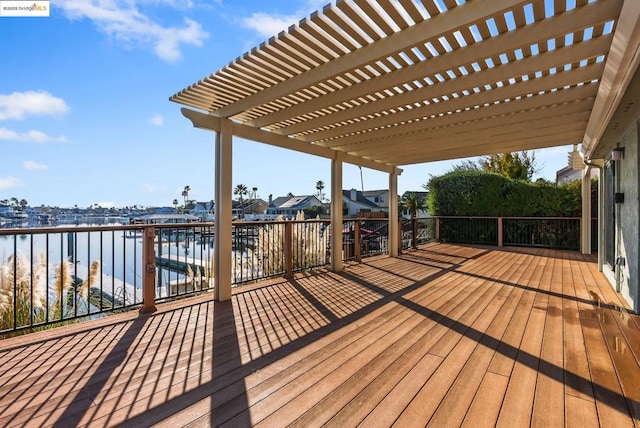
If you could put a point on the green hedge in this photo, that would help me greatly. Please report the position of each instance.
(478, 193)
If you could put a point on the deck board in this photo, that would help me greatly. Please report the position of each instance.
(445, 335)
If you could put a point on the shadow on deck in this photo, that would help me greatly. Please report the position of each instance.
(446, 335)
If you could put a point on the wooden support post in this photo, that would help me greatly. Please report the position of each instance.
(500, 232)
(437, 229)
(585, 221)
(393, 215)
(148, 270)
(357, 240)
(336, 214)
(288, 249)
(223, 263)
(414, 224)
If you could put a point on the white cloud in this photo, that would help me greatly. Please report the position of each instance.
(31, 165)
(122, 20)
(267, 25)
(157, 120)
(7, 183)
(270, 24)
(31, 136)
(17, 105)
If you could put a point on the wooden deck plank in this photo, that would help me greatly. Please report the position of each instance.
(458, 405)
(433, 393)
(517, 405)
(445, 335)
(548, 404)
(368, 400)
(363, 365)
(290, 374)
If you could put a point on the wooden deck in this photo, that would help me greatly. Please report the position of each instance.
(442, 336)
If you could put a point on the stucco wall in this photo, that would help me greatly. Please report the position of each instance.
(629, 218)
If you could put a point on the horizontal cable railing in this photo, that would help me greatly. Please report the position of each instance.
(63, 274)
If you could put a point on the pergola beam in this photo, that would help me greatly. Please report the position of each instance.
(477, 119)
(506, 127)
(440, 152)
(212, 123)
(622, 62)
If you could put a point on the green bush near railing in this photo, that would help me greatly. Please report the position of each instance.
(468, 230)
(477, 193)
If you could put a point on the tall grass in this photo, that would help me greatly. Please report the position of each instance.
(267, 258)
(29, 299)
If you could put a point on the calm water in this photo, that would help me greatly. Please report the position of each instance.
(119, 252)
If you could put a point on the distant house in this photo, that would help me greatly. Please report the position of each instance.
(290, 205)
(162, 210)
(378, 197)
(568, 174)
(249, 206)
(355, 202)
(202, 210)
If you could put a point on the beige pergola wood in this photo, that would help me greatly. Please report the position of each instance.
(383, 84)
(503, 114)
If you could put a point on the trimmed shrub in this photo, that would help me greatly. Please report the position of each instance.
(478, 193)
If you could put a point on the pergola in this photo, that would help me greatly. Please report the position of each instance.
(386, 83)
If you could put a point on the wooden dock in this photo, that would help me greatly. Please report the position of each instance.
(117, 292)
(180, 263)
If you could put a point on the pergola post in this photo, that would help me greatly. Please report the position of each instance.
(336, 213)
(223, 212)
(393, 214)
(585, 241)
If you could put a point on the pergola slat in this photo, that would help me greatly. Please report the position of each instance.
(365, 75)
(397, 42)
(475, 119)
(510, 41)
(467, 82)
(529, 87)
(495, 130)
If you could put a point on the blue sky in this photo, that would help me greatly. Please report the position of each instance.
(85, 116)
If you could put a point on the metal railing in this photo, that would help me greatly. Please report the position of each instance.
(546, 232)
(54, 275)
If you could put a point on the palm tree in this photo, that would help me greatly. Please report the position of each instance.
(413, 203)
(240, 190)
(320, 188)
(185, 194)
(255, 192)
(175, 204)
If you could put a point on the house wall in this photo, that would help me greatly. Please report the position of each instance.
(628, 219)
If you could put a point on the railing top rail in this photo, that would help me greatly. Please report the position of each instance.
(503, 217)
(103, 228)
